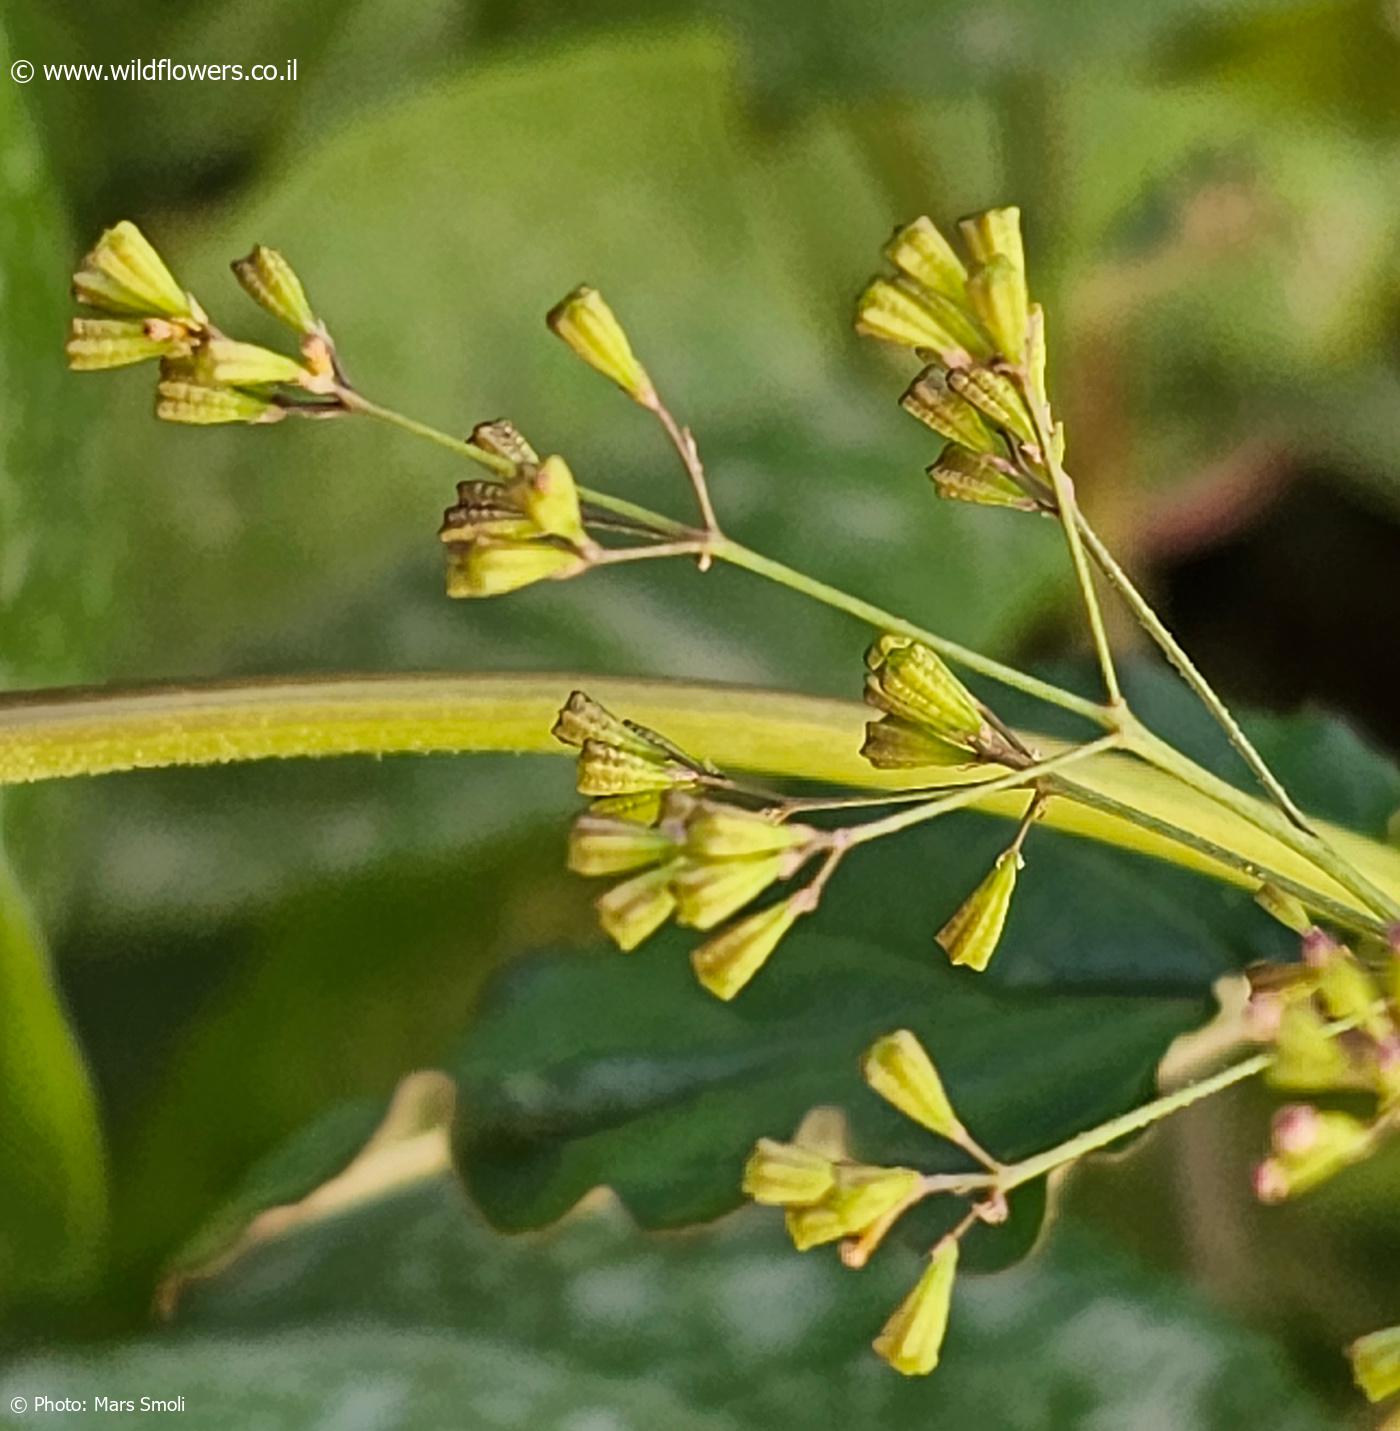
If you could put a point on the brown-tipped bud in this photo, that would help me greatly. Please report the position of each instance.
(502, 438)
(894, 744)
(603, 845)
(634, 910)
(96, 343)
(1310, 1146)
(484, 509)
(900, 312)
(225, 363)
(963, 476)
(715, 832)
(996, 292)
(997, 398)
(124, 274)
(271, 282)
(728, 961)
(1375, 1363)
(583, 719)
(586, 323)
(785, 1175)
(1288, 910)
(971, 936)
(909, 680)
(912, 1339)
(899, 1069)
(203, 406)
(495, 566)
(930, 400)
(548, 495)
(605, 769)
(919, 251)
(707, 893)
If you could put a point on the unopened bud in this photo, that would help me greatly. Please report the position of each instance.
(894, 744)
(997, 398)
(583, 719)
(728, 961)
(707, 893)
(783, 1174)
(716, 831)
(1310, 1147)
(930, 400)
(495, 566)
(1284, 907)
(899, 1069)
(225, 363)
(1306, 1056)
(912, 317)
(1375, 1363)
(993, 233)
(549, 497)
(961, 475)
(270, 281)
(586, 323)
(862, 1196)
(484, 509)
(203, 406)
(605, 769)
(602, 845)
(912, 1339)
(124, 274)
(1346, 989)
(96, 343)
(996, 291)
(501, 438)
(635, 909)
(909, 680)
(971, 936)
(921, 252)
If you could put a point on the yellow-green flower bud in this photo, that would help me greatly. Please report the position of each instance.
(971, 936)
(861, 1196)
(225, 363)
(813, 1225)
(502, 438)
(1306, 1057)
(899, 1069)
(783, 1174)
(495, 566)
(1289, 911)
(124, 274)
(902, 313)
(909, 680)
(912, 1339)
(963, 476)
(586, 323)
(894, 744)
(921, 252)
(643, 808)
(708, 892)
(996, 290)
(725, 963)
(96, 343)
(993, 233)
(583, 719)
(634, 910)
(1347, 990)
(271, 282)
(203, 406)
(1310, 1146)
(1375, 1363)
(715, 831)
(605, 769)
(995, 396)
(603, 845)
(929, 399)
(549, 497)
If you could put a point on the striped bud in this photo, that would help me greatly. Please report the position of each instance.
(993, 233)
(996, 397)
(549, 497)
(910, 681)
(971, 936)
(783, 1174)
(484, 509)
(586, 323)
(963, 476)
(271, 282)
(929, 399)
(225, 363)
(894, 744)
(707, 893)
(604, 845)
(912, 1339)
(900, 312)
(124, 274)
(634, 910)
(501, 438)
(96, 343)
(583, 719)
(725, 963)
(1375, 1363)
(996, 292)
(715, 832)
(920, 251)
(605, 769)
(202, 406)
(898, 1068)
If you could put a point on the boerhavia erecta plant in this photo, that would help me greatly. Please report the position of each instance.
(680, 840)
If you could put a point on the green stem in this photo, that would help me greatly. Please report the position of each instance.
(1169, 646)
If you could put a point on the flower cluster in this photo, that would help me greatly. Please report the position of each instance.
(1375, 1363)
(1334, 1030)
(686, 854)
(983, 345)
(205, 377)
(828, 1198)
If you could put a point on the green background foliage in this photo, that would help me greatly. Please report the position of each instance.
(251, 958)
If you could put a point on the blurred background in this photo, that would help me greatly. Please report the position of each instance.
(251, 959)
